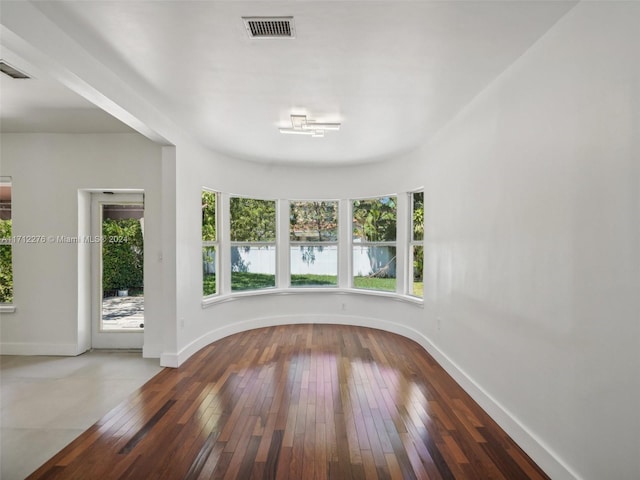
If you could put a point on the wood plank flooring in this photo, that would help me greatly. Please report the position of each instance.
(297, 402)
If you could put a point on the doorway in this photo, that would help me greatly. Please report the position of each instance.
(117, 234)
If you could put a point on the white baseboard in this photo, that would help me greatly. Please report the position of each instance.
(55, 349)
(544, 457)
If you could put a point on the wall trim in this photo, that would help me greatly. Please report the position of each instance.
(54, 349)
(542, 454)
(546, 459)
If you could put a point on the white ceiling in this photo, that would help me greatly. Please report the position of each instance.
(41, 105)
(392, 72)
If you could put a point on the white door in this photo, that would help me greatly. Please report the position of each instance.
(117, 226)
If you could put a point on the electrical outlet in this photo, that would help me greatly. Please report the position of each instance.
(182, 323)
(344, 307)
(438, 323)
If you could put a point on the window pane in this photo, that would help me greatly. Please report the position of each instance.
(252, 268)
(6, 267)
(313, 221)
(374, 268)
(253, 220)
(208, 216)
(418, 216)
(314, 265)
(374, 220)
(418, 263)
(209, 271)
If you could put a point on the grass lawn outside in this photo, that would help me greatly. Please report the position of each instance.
(308, 280)
(255, 281)
(239, 281)
(372, 283)
(251, 281)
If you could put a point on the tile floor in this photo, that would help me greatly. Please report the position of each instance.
(45, 402)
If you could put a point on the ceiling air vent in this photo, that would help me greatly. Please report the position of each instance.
(12, 72)
(269, 27)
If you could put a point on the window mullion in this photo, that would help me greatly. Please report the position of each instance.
(224, 238)
(402, 240)
(345, 266)
(283, 277)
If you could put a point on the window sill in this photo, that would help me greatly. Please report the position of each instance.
(7, 308)
(214, 300)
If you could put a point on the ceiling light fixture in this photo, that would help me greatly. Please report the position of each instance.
(300, 125)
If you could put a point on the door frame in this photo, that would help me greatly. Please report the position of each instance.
(100, 338)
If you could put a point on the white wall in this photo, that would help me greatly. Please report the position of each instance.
(198, 325)
(49, 173)
(532, 223)
(533, 244)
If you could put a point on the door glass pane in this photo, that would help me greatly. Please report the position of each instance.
(122, 268)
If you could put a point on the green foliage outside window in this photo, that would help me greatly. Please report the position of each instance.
(313, 221)
(209, 237)
(418, 216)
(375, 220)
(253, 220)
(6, 268)
(122, 254)
(208, 216)
(312, 224)
(418, 234)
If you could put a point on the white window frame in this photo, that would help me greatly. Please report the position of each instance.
(274, 244)
(399, 264)
(333, 243)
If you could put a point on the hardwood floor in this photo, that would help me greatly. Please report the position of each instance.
(297, 402)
